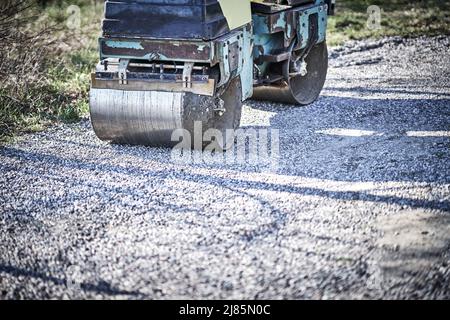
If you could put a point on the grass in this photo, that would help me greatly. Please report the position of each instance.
(58, 91)
(71, 73)
(398, 18)
(61, 94)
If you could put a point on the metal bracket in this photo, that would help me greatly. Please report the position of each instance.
(187, 74)
(220, 107)
(234, 55)
(230, 55)
(123, 66)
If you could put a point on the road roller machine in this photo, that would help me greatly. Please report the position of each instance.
(168, 65)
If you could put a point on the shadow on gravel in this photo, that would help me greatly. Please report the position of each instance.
(101, 287)
(393, 89)
(390, 152)
(230, 183)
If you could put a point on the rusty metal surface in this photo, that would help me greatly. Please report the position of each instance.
(153, 49)
(202, 88)
(234, 57)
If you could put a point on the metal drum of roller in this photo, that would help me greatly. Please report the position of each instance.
(123, 114)
(136, 117)
(303, 80)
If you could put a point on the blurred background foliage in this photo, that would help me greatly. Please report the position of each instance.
(45, 61)
(46, 56)
(407, 18)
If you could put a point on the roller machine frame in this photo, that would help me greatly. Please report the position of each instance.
(169, 64)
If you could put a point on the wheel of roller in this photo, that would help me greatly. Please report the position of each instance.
(300, 90)
(151, 117)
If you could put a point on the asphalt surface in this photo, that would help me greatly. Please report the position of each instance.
(358, 205)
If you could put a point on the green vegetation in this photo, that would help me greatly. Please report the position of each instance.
(45, 67)
(398, 17)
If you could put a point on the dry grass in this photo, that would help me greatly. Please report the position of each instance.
(45, 62)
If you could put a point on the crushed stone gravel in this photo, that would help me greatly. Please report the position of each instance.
(358, 206)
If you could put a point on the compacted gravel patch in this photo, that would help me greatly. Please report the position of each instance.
(357, 204)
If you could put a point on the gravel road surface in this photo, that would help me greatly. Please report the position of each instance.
(358, 207)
